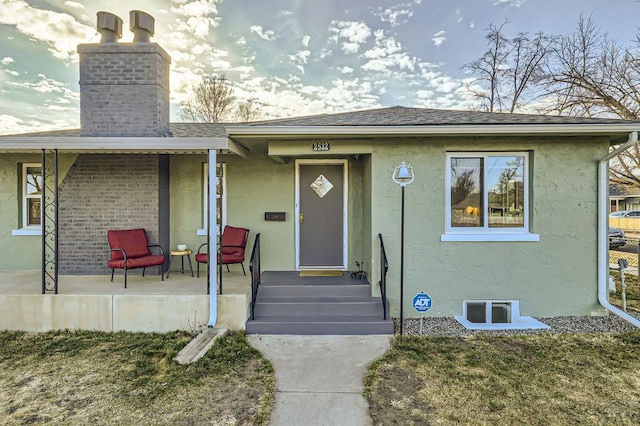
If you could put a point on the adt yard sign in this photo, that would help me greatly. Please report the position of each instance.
(422, 302)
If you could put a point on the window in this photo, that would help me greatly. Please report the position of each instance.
(221, 195)
(487, 194)
(31, 195)
(497, 312)
(496, 315)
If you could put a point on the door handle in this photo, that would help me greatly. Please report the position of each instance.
(301, 217)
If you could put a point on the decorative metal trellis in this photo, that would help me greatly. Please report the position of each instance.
(49, 215)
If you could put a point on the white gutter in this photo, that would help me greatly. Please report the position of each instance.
(603, 230)
(459, 129)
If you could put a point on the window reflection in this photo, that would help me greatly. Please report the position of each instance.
(505, 176)
(487, 191)
(466, 195)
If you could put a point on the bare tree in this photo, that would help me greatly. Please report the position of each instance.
(489, 70)
(593, 76)
(585, 73)
(508, 70)
(247, 111)
(210, 102)
(527, 59)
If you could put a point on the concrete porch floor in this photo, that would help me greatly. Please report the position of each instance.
(93, 302)
(30, 282)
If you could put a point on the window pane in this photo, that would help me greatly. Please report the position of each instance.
(33, 214)
(505, 179)
(500, 313)
(34, 180)
(477, 312)
(466, 192)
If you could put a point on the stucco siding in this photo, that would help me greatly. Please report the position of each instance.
(356, 212)
(255, 186)
(555, 276)
(20, 252)
(186, 200)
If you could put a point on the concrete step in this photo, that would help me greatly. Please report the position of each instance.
(290, 304)
(314, 290)
(336, 325)
(319, 306)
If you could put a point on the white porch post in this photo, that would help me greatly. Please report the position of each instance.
(213, 240)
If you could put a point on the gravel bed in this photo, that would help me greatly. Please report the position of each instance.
(587, 324)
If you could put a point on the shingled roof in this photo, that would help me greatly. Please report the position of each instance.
(403, 116)
(396, 116)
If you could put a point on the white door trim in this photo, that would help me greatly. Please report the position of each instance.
(345, 211)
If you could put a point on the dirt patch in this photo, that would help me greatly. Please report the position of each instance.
(398, 389)
(130, 379)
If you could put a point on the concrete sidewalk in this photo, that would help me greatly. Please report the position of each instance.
(319, 378)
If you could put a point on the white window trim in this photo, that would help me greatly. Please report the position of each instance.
(27, 230)
(205, 202)
(489, 237)
(517, 322)
(485, 233)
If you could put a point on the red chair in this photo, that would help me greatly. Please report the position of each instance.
(130, 249)
(233, 244)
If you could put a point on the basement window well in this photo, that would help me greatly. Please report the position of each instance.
(496, 315)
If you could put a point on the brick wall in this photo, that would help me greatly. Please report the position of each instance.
(103, 192)
(124, 89)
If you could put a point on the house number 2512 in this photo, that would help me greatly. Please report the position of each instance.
(321, 146)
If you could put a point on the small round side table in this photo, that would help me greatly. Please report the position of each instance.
(182, 253)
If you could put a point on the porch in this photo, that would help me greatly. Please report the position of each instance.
(148, 304)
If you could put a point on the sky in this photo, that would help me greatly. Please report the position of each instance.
(290, 57)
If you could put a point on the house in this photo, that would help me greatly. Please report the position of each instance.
(504, 218)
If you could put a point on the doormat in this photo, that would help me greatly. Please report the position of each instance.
(321, 273)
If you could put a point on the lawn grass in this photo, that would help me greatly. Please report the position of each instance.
(632, 291)
(522, 379)
(82, 377)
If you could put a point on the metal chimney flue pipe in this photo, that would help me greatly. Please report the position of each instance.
(109, 26)
(142, 25)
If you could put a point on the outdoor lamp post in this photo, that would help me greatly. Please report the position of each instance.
(403, 176)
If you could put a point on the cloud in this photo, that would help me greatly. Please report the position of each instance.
(60, 31)
(510, 3)
(397, 14)
(74, 5)
(299, 59)
(439, 38)
(7, 60)
(305, 40)
(12, 72)
(352, 34)
(195, 18)
(10, 124)
(268, 35)
(346, 70)
(387, 54)
(44, 85)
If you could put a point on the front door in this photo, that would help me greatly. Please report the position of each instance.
(321, 218)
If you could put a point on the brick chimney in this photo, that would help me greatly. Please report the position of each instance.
(124, 87)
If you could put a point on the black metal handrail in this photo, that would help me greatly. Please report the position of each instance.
(384, 267)
(254, 269)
